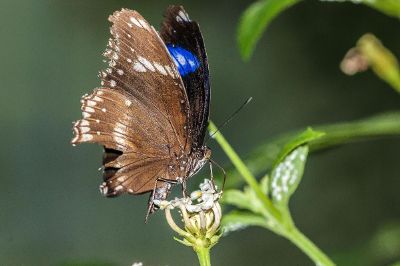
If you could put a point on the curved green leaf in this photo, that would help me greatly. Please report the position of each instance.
(262, 158)
(246, 200)
(256, 18)
(388, 7)
(237, 198)
(286, 176)
(301, 139)
(254, 21)
(238, 220)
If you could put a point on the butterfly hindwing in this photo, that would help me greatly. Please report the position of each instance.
(185, 43)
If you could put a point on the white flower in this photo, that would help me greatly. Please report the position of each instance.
(201, 215)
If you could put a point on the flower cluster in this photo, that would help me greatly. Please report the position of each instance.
(201, 216)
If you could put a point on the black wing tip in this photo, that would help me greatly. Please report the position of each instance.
(177, 10)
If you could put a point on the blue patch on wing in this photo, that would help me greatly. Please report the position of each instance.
(185, 61)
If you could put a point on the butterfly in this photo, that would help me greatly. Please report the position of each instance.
(152, 109)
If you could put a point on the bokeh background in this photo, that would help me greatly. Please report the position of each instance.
(51, 212)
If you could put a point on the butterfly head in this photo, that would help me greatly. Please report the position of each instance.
(206, 153)
(200, 158)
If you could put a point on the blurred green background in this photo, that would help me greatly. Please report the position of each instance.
(50, 207)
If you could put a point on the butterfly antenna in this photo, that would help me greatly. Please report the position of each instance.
(230, 118)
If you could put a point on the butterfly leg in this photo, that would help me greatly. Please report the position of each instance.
(158, 194)
(184, 189)
(223, 171)
(212, 175)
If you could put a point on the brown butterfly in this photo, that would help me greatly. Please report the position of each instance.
(151, 113)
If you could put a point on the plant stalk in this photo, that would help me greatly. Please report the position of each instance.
(203, 254)
(245, 172)
(308, 247)
(283, 220)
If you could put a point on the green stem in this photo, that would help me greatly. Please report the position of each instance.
(308, 247)
(245, 172)
(203, 254)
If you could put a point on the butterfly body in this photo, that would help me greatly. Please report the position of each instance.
(151, 113)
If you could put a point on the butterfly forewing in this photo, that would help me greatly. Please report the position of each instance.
(148, 73)
(181, 32)
(140, 115)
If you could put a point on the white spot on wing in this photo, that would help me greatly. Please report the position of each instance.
(84, 123)
(113, 83)
(97, 99)
(86, 115)
(119, 139)
(136, 22)
(146, 63)
(160, 68)
(144, 24)
(137, 66)
(86, 137)
(103, 188)
(169, 70)
(84, 130)
(118, 188)
(88, 109)
(121, 178)
(120, 128)
(91, 103)
(128, 102)
(184, 15)
(181, 59)
(192, 63)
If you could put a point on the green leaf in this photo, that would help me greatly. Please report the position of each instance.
(246, 200)
(236, 198)
(183, 242)
(286, 176)
(255, 20)
(261, 158)
(264, 184)
(237, 220)
(301, 139)
(388, 7)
